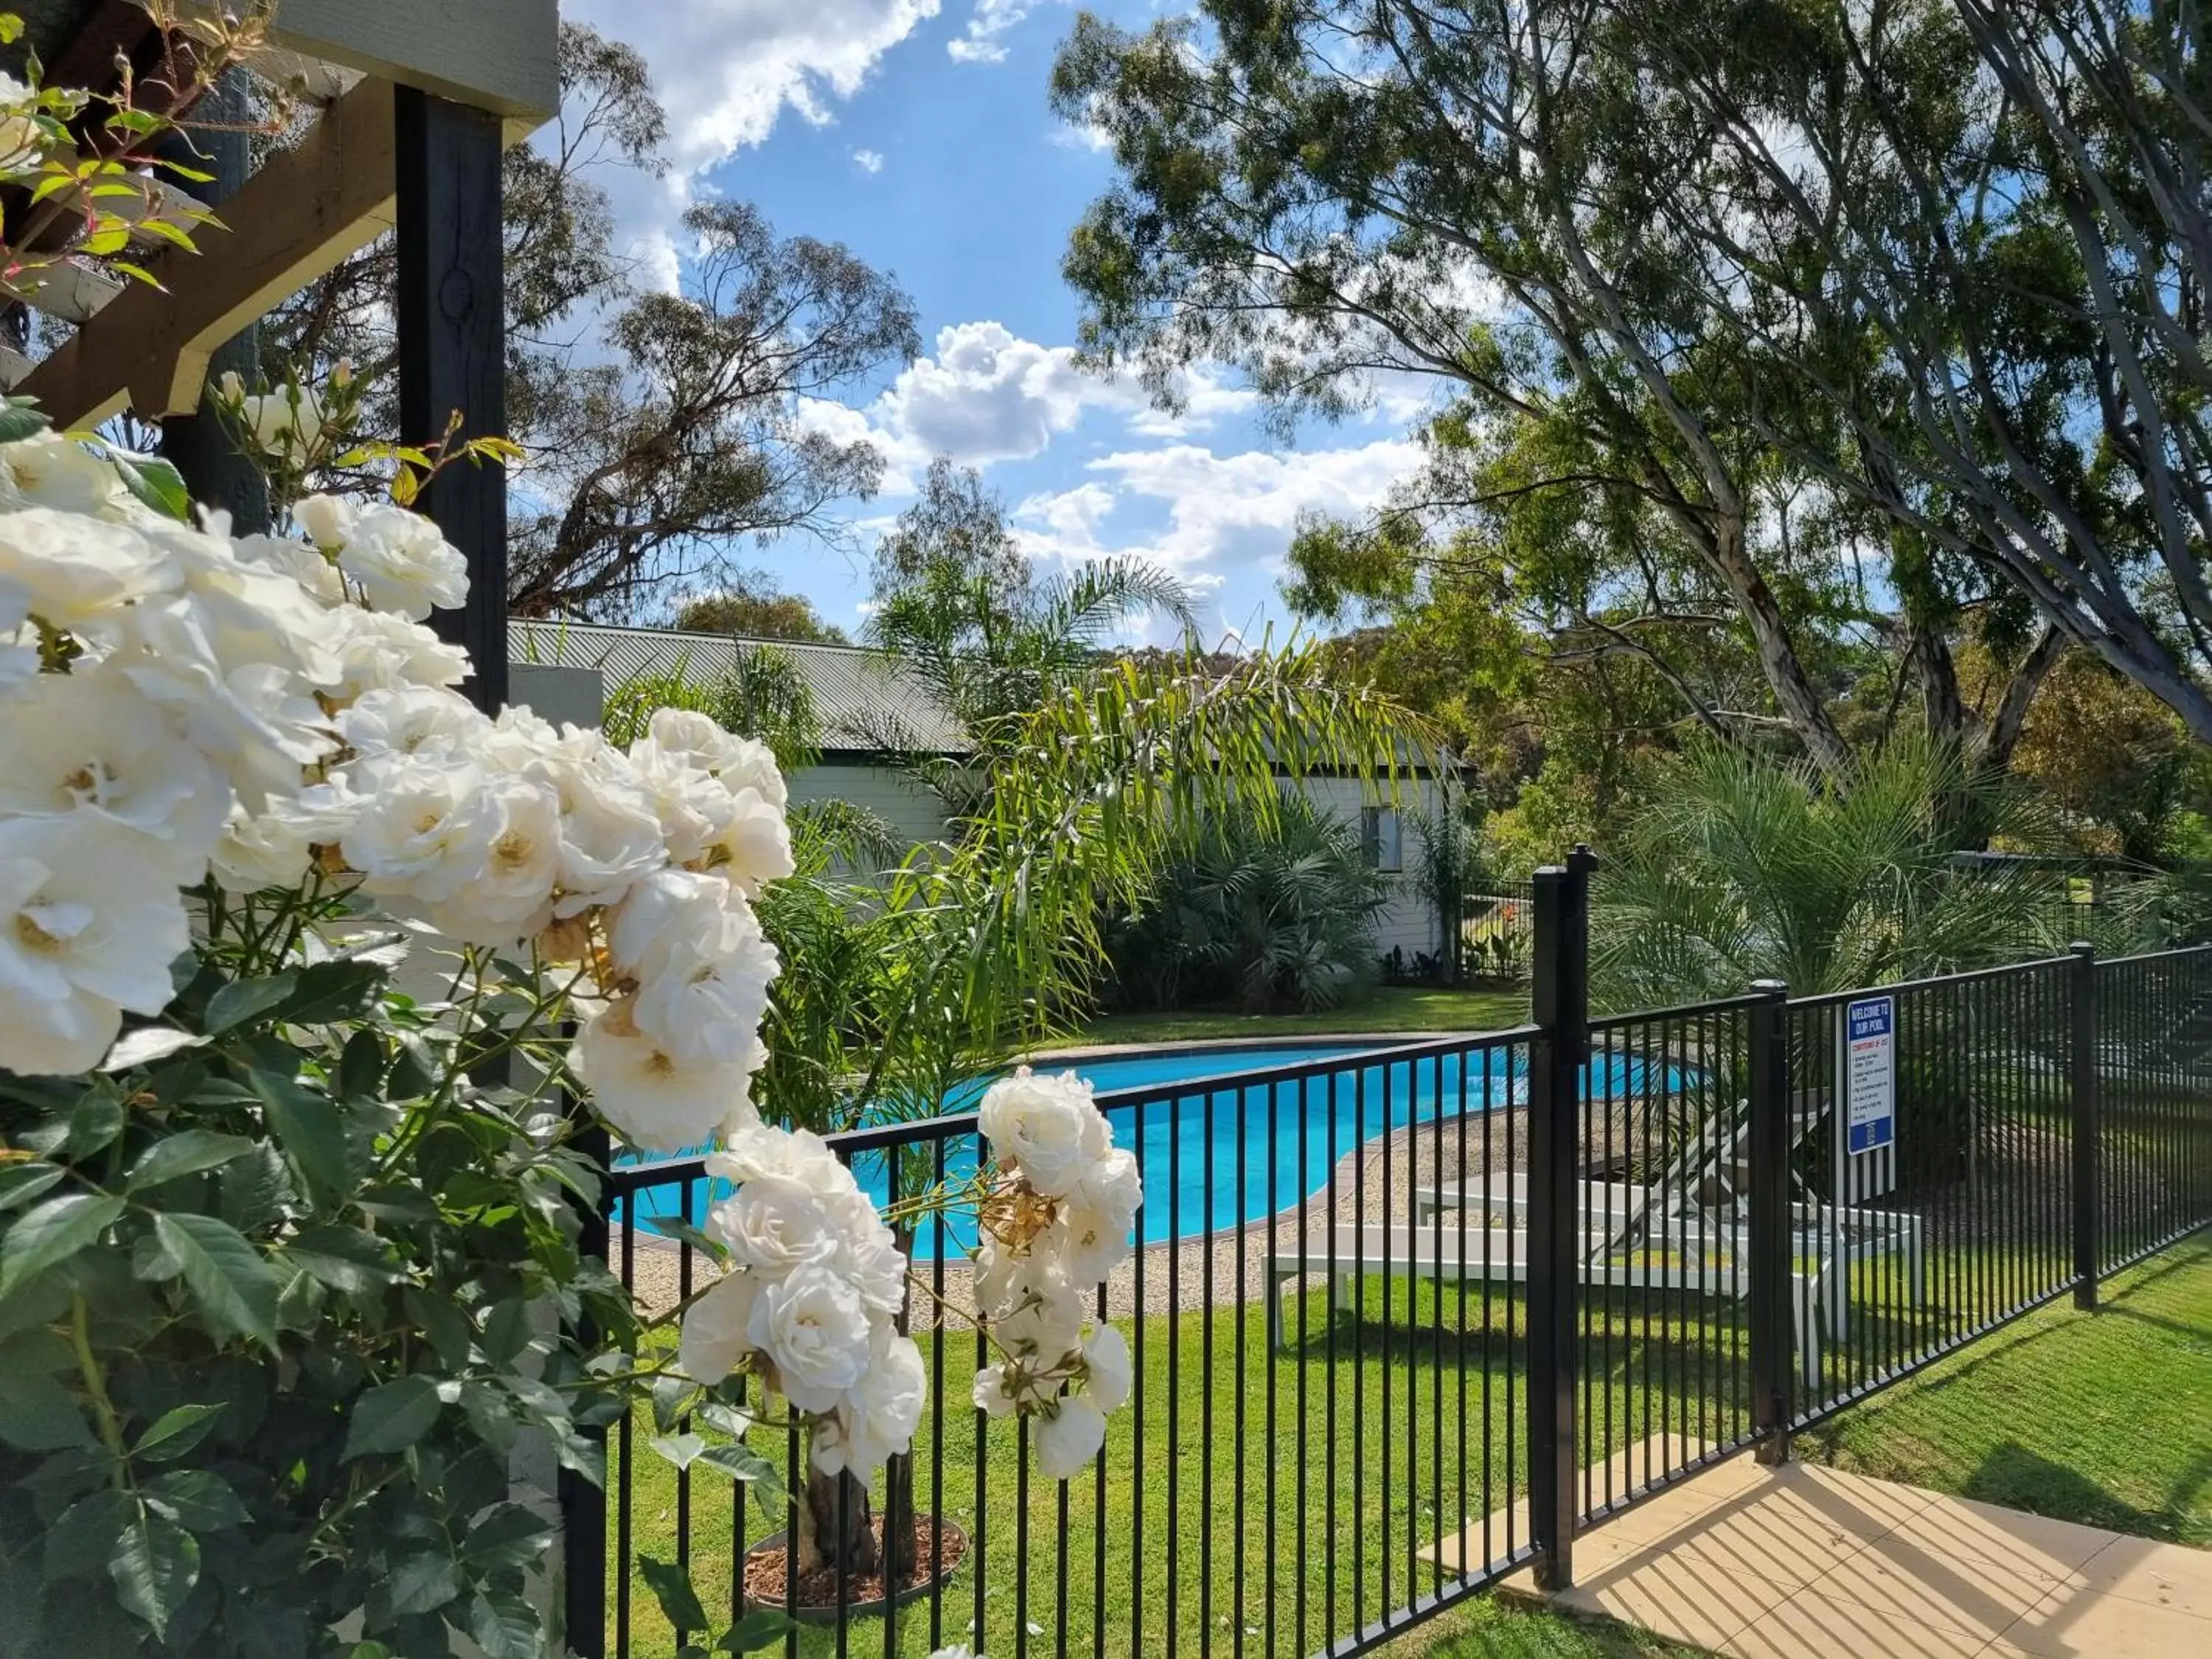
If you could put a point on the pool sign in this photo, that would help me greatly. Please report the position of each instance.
(1870, 1072)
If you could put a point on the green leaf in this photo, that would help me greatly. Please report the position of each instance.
(155, 1565)
(175, 1433)
(504, 1626)
(242, 999)
(20, 421)
(351, 1261)
(310, 1127)
(392, 1417)
(741, 1463)
(672, 1588)
(232, 1285)
(508, 1536)
(681, 1449)
(38, 1414)
(147, 1045)
(189, 1151)
(762, 1627)
(447, 1327)
(95, 1122)
(200, 1500)
(155, 483)
(361, 1068)
(85, 1535)
(52, 1233)
(424, 1583)
(330, 991)
(22, 1183)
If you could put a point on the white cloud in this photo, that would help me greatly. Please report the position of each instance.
(1087, 135)
(979, 44)
(727, 72)
(868, 161)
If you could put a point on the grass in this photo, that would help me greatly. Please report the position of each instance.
(1390, 1008)
(2104, 1418)
(2100, 1418)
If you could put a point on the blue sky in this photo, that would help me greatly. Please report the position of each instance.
(917, 133)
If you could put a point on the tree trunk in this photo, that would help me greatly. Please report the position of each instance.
(835, 1530)
(1794, 693)
(2005, 727)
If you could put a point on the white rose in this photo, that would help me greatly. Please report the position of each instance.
(991, 1393)
(1088, 1244)
(869, 1257)
(513, 897)
(88, 929)
(288, 419)
(376, 649)
(714, 1341)
(656, 1104)
(1069, 1432)
(20, 143)
(91, 743)
(412, 719)
(775, 1224)
(706, 1007)
(402, 563)
(1045, 1323)
(1107, 1373)
(327, 519)
(301, 562)
(814, 1329)
(257, 720)
(49, 470)
(425, 829)
(610, 837)
(1044, 1127)
(76, 572)
(768, 1153)
(879, 1416)
(752, 843)
(697, 739)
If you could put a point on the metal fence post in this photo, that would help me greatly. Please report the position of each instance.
(2087, 1213)
(1560, 1002)
(1773, 1363)
(583, 1501)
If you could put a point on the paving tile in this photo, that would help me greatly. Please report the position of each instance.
(1781, 1530)
(2077, 1624)
(1987, 1532)
(2164, 1574)
(1690, 1600)
(1809, 1626)
(1900, 1576)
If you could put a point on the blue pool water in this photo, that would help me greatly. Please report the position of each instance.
(1219, 1152)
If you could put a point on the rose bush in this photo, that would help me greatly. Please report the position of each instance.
(272, 1228)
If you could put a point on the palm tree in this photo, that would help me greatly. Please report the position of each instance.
(1738, 867)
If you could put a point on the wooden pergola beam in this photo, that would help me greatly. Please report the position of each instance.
(304, 211)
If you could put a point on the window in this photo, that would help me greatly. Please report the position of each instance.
(1380, 839)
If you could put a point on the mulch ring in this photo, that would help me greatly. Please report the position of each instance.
(766, 1565)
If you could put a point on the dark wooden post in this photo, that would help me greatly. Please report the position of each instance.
(452, 349)
(199, 445)
(1773, 1333)
(2088, 1211)
(1561, 1008)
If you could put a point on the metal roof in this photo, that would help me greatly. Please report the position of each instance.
(864, 700)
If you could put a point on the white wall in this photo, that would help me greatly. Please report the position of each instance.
(910, 810)
(1409, 922)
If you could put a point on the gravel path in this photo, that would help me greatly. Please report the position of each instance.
(1175, 1276)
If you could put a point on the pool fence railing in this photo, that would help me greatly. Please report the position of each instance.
(1406, 1321)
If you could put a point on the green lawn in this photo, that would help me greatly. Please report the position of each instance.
(2104, 1418)
(1391, 1008)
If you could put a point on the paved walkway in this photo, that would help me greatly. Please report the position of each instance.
(1804, 1562)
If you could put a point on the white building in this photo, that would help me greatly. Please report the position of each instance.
(858, 695)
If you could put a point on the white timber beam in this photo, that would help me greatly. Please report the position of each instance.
(496, 55)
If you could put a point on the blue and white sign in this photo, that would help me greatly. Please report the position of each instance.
(1870, 1073)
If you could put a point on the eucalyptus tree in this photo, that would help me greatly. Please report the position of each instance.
(1336, 193)
(1975, 235)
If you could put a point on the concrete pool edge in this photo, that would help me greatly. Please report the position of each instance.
(1235, 1045)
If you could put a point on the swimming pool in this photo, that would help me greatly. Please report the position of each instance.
(1218, 1152)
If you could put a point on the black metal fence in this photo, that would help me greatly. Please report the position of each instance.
(1405, 1318)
